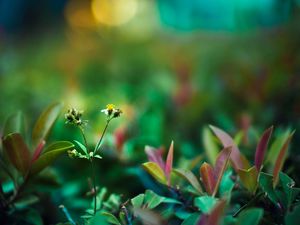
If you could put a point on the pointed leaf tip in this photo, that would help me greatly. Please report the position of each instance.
(220, 166)
(262, 147)
(155, 155)
(208, 177)
(169, 163)
(280, 159)
(17, 151)
(45, 122)
(154, 170)
(237, 158)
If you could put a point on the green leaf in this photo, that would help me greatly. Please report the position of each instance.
(97, 219)
(249, 178)
(111, 218)
(45, 122)
(33, 217)
(210, 146)
(192, 219)
(148, 216)
(26, 201)
(292, 217)
(227, 184)
(239, 137)
(288, 184)
(190, 177)
(215, 214)
(97, 156)
(250, 216)
(17, 152)
(82, 147)
(280, 159)
(276, 146)
(14, 124)
(154, 170)
(265, 182)
(138, 200)
(52, 152)
(100, 197)
(122, 217)
(152, 199)
(205, 203)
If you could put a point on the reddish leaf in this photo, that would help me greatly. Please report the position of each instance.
(169, 163)
(220, 167)
(208, 177)
(38, 150)
(280, 159)
(17, 151)
(238, 159)
(155, 155)
(262, 147)
(214, 217)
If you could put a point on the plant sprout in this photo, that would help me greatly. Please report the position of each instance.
(74, 117)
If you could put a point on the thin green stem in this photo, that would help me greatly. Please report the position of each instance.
(102, 135)
(94, 186)
(93, 171)
(83, 136)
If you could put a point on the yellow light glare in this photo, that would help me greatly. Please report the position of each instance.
(114, 12)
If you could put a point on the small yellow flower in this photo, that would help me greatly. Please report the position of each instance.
(112, 111)
(110, 108)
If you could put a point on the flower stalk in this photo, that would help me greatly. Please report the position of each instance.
(73, 116)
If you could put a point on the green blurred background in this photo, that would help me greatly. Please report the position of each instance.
(173, 66)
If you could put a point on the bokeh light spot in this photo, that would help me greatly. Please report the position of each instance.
(114, 12)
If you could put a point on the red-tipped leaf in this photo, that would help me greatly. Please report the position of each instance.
(17, 151)
(208, 177)
(280, 159)
(155, 155)
(262, 147)
(169, 163)
(38, 151)
(220, 167)
(237, 158)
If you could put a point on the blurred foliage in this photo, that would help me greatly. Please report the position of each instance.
(173, 67)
